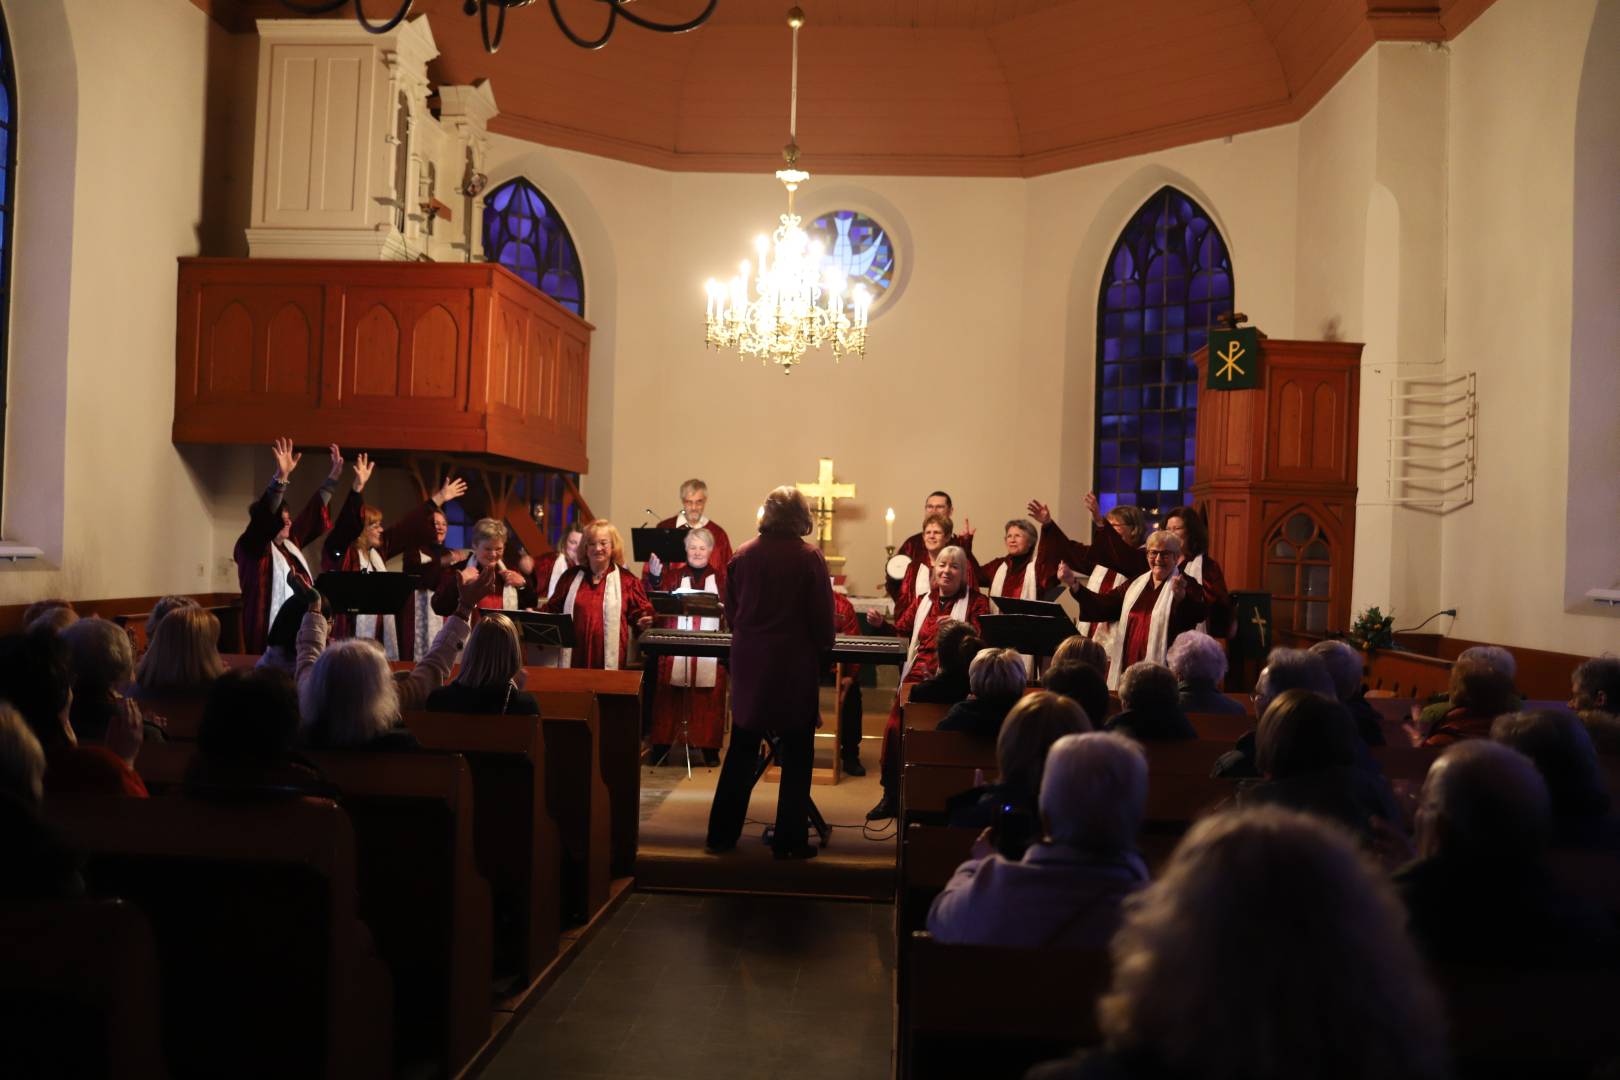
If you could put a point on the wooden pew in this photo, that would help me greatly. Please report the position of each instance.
(618, 703)
(253, 907)
(422, 895)
(929, 747)
(923, 715)
(79, 991)
(972, 1010)
(1227, 727)
(578, 801)
(929, 855)
(513, 833)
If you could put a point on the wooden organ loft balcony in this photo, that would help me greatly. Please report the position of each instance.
(463, 359)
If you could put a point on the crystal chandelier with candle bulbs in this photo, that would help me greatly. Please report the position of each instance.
(796, 305)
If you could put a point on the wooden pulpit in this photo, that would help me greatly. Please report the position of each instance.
(1276, 478)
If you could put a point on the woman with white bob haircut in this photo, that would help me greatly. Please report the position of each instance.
(1217, 975)
(996, 678)
(1067, 890)
(1199, 663)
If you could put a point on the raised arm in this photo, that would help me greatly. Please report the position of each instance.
(264, 517)
(345, 530)
(315, 518)
(415, 529)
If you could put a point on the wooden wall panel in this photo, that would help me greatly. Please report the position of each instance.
(374, 347)
(231, 343)
(290, 350)
(435, 354)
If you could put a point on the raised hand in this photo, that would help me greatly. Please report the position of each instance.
(454, 487)
(363, 468)
(967, 530)
(1039, 511)
(125, 732)
(513, 578)
(1094, 506)
(655, 565)
(286, 459)
(337, 462)
(1067, 575)
(477, 584)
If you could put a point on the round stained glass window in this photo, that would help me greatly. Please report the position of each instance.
(858, 246)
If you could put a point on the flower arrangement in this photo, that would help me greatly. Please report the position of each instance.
(1372, 630)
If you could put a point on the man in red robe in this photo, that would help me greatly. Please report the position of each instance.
(938, 502)
(269, 548)
(694, 503)
(602, 629)
(689, 696)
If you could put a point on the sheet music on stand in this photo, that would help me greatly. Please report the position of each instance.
(668, 544)
(1033, 627)
(358, 592)
(691, 603)
(543, 628)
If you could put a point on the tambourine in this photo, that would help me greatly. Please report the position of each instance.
(897, 567)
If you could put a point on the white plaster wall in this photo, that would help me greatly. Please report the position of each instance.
(1516, 72)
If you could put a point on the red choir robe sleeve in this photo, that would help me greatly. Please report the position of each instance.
(413, 531)
(1114, 551)
(978, 608)
(314, 519)
(1053, 547)
(346, 529)
(1099, 607)
(846, 622)
(447, 596)
(264, 522)
(1221, 611)
(1192, 609)
(636, 604)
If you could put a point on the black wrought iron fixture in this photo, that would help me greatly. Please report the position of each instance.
(617, 9)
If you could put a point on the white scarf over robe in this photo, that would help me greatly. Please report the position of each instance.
(1158, 626)
(365, 626)
(612, 617)
(1103, 579)
(959, 612)
(282, 552)
(998, 583)
(428, 621)
(681, 667)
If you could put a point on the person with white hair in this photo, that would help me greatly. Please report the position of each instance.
(689, 693)
(693, 515)
(996, 678)
(1149, 613)
(1017, 573)
(1344, 665)
(1067, 890)
(1479, 892)
(1199, 663)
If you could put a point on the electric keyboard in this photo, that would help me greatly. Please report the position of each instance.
(847, 649)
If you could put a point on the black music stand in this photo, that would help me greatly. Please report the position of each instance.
(358, 592)
(1031, 627)
(699, 605)
(668, 544)
(543, 628)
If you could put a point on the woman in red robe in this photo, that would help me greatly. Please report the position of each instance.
(550, 567)
(689, 704)
(1057, 554)
(1187, 524)
(919, 574)
(693, 515)
(1150, 612)
(606, 601)
(1016, 573)
(270, 547)
(954, 595)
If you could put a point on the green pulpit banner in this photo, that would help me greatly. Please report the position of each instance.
(1234, 359)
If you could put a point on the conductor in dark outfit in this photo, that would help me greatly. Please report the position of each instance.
(780, 608)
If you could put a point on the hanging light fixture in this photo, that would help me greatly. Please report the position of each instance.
(617, 9)
(797, 305)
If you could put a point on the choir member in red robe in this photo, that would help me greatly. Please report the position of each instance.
(920, 572)
(269, 548)
(954, 595)
(359, 542)
(851, 706)
(489, 539)
(1196, 562)
(938, 502)
(690, 691)
(429, 564)
(1016, 573)
(1150, 612)
(1056, 555)
(550, 567)
(606, 601)
(780, 608)
(694, 501)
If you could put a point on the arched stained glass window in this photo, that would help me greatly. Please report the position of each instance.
(858, 246)
(524, 233)
(8, 175)
(1168, 279)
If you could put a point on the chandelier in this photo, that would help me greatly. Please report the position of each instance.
(617, 9)
(797, 305)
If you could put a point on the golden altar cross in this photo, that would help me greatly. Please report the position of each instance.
(822, 491)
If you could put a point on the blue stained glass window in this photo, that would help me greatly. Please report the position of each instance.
(858, 246)
(8, 172)
(524, 233)
(1167, 281)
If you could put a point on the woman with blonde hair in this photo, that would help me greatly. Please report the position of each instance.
(1270, 949)
(606, 601)
(491, 675)
(183, 655)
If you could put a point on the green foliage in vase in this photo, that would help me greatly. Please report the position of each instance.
(1373, 630)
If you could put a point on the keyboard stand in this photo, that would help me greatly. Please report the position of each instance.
(818, 824)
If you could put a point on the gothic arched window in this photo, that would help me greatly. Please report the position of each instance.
(1168, 279)
(524, 233)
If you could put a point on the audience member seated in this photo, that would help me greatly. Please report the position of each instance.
(281, 643)
(1083, 650)
(38, 864)
(1479, 893)
(1305, 749)
(1595, 695)
(1344, 666)
(491, 676)
(1480, 692)
(958, 644)
(1286, 669)
(36, 678)
(1491, 657)
(1268, 950)
(245, 742)
(182, 657)
(1065, 893)
(1151, 701)
(996, 677)
(1199, 663)
(165, 605)
(53, 615)
(103, 664)
(1010, 807)
(1083, 684)
(1563, 753)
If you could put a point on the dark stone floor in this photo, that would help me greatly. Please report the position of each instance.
(763, 988)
